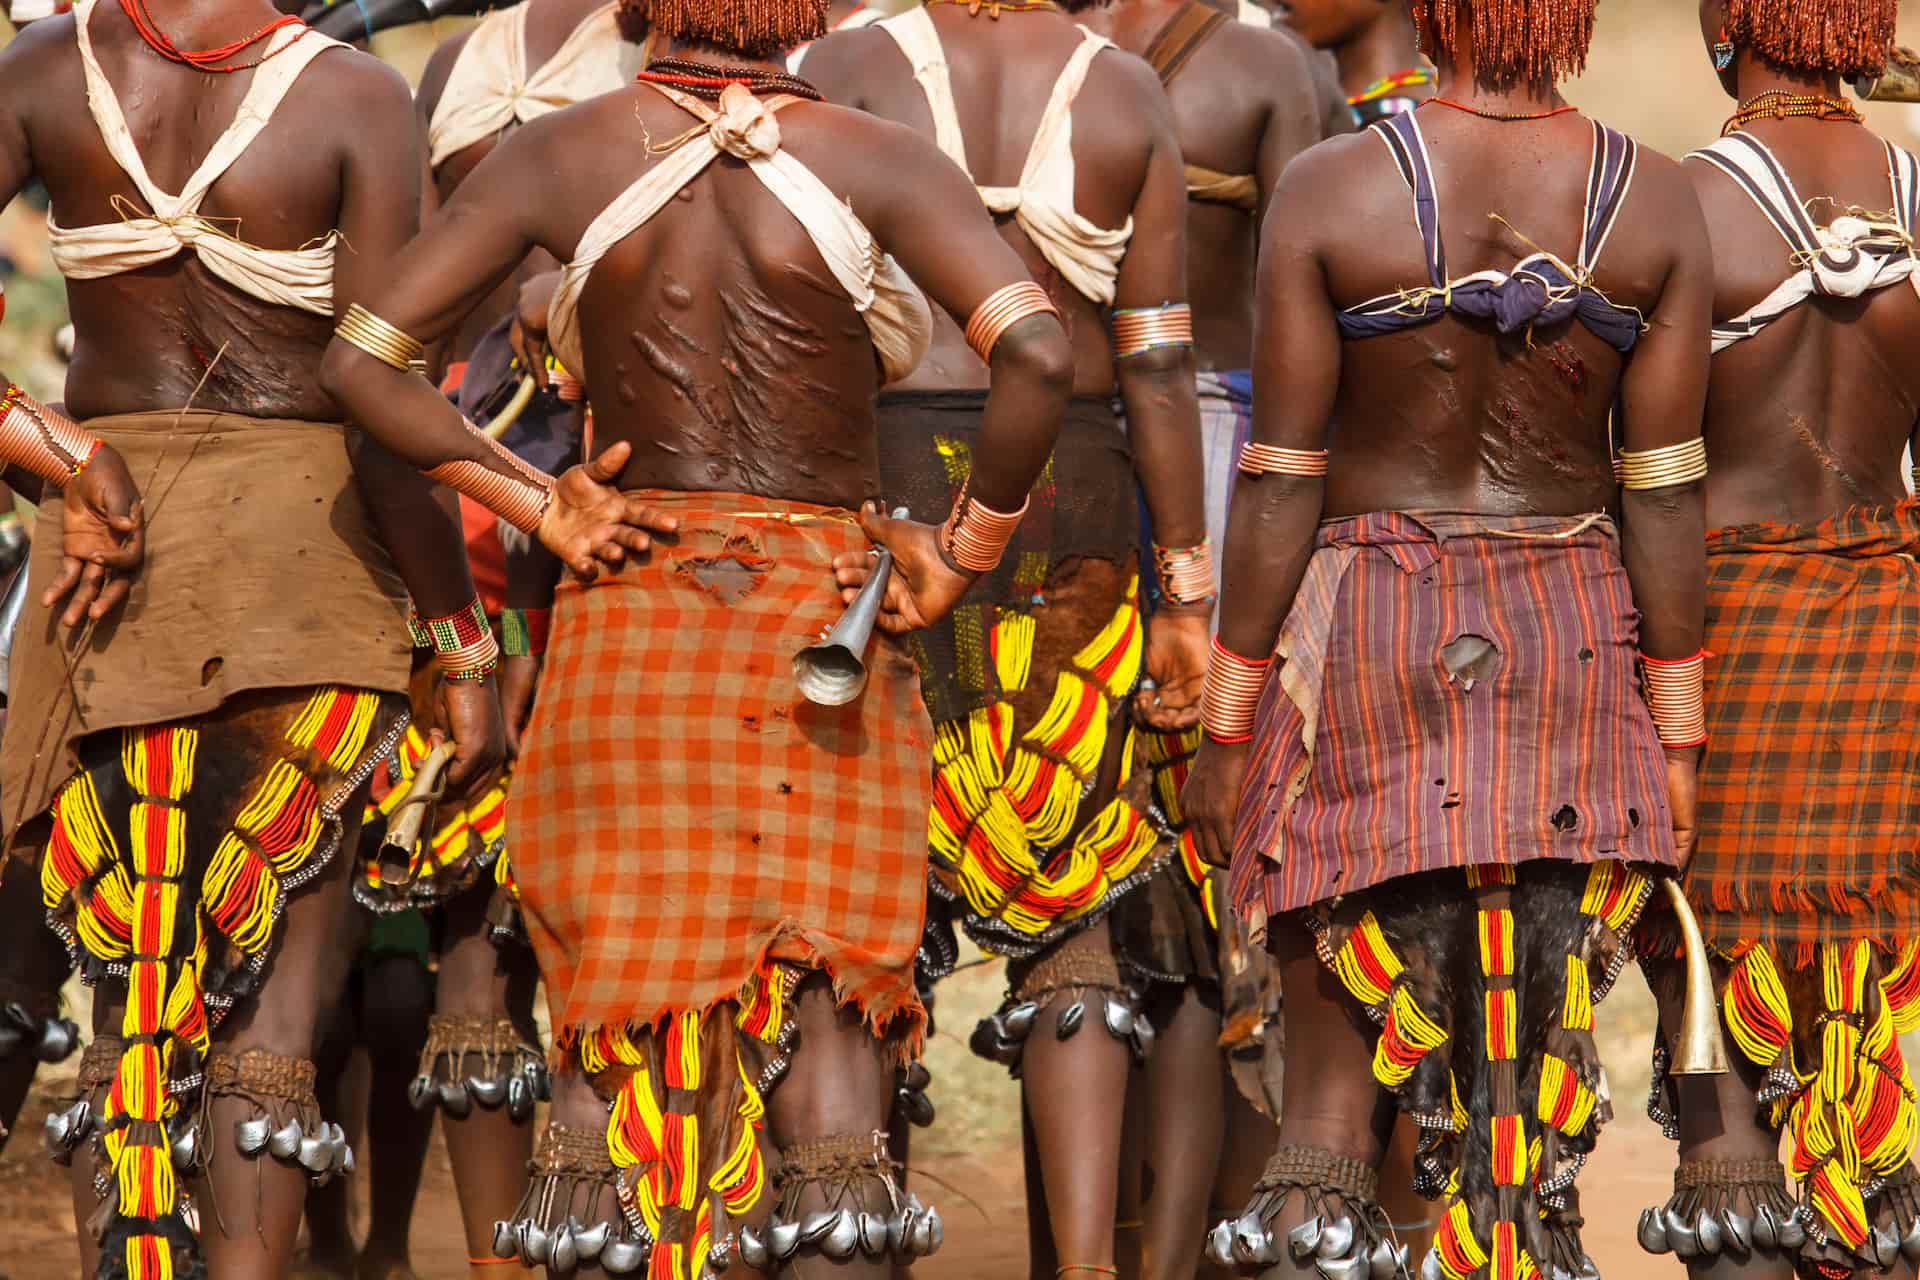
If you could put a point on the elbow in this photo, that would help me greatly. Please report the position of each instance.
(336, 368)
(1036, 352)
(1157, 365)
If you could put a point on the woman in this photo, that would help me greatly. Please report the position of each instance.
(1806, 878)
(1427, 756)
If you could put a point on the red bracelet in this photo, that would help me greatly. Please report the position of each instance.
(523, 632)
(976, 536)
(1186, 573)
(1231, 695)
(462, 639)
(1676, 696)
(35, 438)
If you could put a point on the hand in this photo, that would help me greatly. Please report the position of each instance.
(518, 676)
(1211, 799)
(1176, 661)
(1683, 792)
(470, 712)
(923, 588)
(591, 523)
(103, 544)
(528, 335)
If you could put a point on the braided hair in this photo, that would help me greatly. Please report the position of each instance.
(1850, 37)
(755, 28)
(1515, 41)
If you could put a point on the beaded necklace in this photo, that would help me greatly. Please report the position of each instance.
(1385, 85)
(705, 80)
(995, 8)
(1778, 104)
(1505, 117)
(209, 60)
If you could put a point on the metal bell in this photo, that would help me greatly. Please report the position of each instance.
(58, 1127)
(536, 1245)
(251, 1136)
(1069, 1020)
(589, 1241)
(753, 1250)
(1018, 1021)
(503, 1245)
(1336, 1238)
(1738, 1229)
(936, 1231)
(561, 1254)
(346, 1158)
(1910, 1242)
(902, 1229)
(11, 1038)
(1385, 1261)
(783, 1239)
(1793, 1232)
(184, 1145)
(624, 1257)
(285, 1143)
(873, 1235)
(455, 1100)
(541, 1080)
(1653, 1232)
(1303, 1239)
(59, 1037)
(1220, 1244)
(918, 1077)
(1143, 1034)
(1681, 1235)
(920, 1243)
(1119, 1018)
(1885, 1246)
(489, 1093)
(843, 1238)
(1252, 1242)
(1430, 1266)
(519, 1098)
(1766, 1228)
(420, 1092)
(1706, 1229)
(989, 1041)
(316, 1155)
(1346, 1267)
(918, 1106)
(814, 1227)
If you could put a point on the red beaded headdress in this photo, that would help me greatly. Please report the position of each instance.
(1850, 37)
(1514, 41)
(756, 28)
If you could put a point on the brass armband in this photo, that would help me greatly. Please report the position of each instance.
(1003, 309)
(1665, 467)
(366, 331)
(1137, 330)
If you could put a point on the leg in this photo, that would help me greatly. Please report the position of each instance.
(1729, 1159)
(484, 997)
(1411, 1213)
(250, 1205)
(33, 967)
(1250, 1138)
(1186, 1107)
(329, 1207)
(828, 1119)
(394, 1010)
(1074, 1086)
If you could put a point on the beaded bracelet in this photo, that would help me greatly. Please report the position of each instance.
(975, 536)
(1004, 308)
(1231, 695)
(1665, 467)
(462, 639)
(519, 494)
(1676, 695)
(35, 438)
(1270, 459)
(523, 632)
(1137, 330)
(1186, 573)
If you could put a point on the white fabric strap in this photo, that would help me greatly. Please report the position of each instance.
(896, 313)
(919, 41)
(298, 278)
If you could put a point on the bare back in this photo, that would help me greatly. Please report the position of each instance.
(1002, 73)
(1809, 416)
(1244, 104)
(1451, 415)
(148, 338)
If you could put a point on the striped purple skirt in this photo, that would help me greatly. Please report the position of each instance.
(1453, 690)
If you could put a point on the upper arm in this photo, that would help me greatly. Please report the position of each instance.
(1663, 392)
(1293, 113)
(1154, 269)
(433, 81)
(26, 66)
(380, 178)
(926, 213)
(1296, 338)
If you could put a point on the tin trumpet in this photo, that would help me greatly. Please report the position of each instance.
(1899, 82)
(833, 670)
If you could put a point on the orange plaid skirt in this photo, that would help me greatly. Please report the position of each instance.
(681, 815)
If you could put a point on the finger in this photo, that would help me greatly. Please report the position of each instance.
(92, 578)
(584, 567)
(64, 581)
(611, 462)
(630, 538)
(111, 597)
(649, 517)
(465, 761)
(875, 525)
(611, 553)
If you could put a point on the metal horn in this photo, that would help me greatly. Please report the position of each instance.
(1899, 82)
(833, 670)
(1700, 1051)
(403, 828)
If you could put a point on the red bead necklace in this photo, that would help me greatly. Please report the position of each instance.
(209, 60)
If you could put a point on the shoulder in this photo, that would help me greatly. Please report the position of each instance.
(1664, 184)
(439, 69)
(840, 62)
(358, 85)
(41, 47)
(1126, 82)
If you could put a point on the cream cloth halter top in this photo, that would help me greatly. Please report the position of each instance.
(299, 278)
(896, 312)
(1085, 254)
(489, 89)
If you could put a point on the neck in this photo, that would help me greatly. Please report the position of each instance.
(1458, 78)
(1385, 48)
(719, 55)
(1753, 77)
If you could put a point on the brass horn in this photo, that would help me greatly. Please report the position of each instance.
(1899, 82)
(1700, 1052)
(832, 671)
(403, 828)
